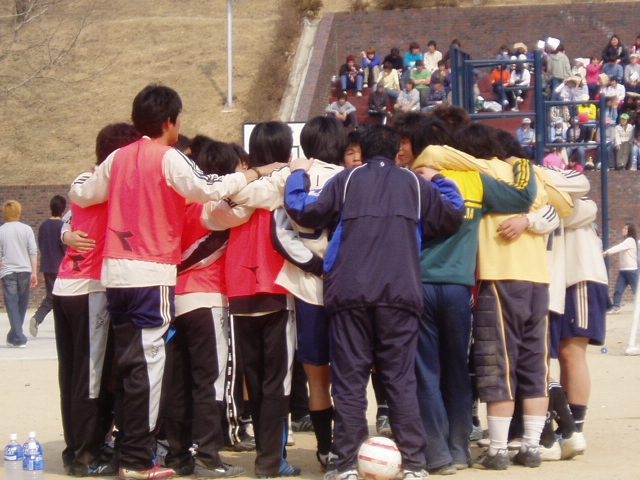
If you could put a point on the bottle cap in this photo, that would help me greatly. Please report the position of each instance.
(32, 434)
(13, 436)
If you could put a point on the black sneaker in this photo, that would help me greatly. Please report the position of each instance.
(302, 425)
(224, 470)
(101, 469)
(530, 458)
(499, 461)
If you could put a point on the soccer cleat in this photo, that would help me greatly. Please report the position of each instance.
(302, 425)
(224, 470)
(529, 458)
(154, 472)
(448, 469)
(573, 446)
(551, 454)
(33, 327)
(383, 427)
(415, 475)
(499, 461)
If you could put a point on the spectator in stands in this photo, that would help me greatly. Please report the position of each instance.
(443, 73)
(612, 67)
(558, 130)
(615, 89)
(527, 138)
(436, 96)
(371, 64)
(351, 76)
(499, 79)
(624, 134)
(410, 58)
(580, 69)
(503, 53)
(389, 76)
(520, 77)
(378, 100)
(609, 140)
(594, 69)
(577, 133)
(409, 99)
(422, 78)
(616, 50)
(553, 158)
(574, 163)
(343, 110)
(432, 56)
(632, 74)
(397, 63)
(635, 48)
(558, 68)
(447, 55)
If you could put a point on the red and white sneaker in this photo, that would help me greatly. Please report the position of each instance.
(155, 472)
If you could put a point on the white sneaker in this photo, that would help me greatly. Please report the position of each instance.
(290, 440)
(550, 454)
(415, 475)
(573, 446)
(358, 93)
(33, 327)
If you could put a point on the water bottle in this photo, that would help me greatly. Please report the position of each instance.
(13, 458)
(33, 466)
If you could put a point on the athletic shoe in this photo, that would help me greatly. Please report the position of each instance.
(325, 460)
(499, 461)
(613, 310)
(101, 469)
(358, 93)
(155, 472)
(589, 164)
(347, 475)
(302, 425)
(33, 327)
(449, 469)
(224, 470)
(286, 470)
(383, 427)
(415, 475)
(519, 100)
(529, 458)
(515, 109)
(573, 446)
(461, 466)
(551, 454)
(366, 85)
(476, 433)
(290, 440)
(16, 345)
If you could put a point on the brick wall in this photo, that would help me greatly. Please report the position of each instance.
(35, 210)
(584, 29)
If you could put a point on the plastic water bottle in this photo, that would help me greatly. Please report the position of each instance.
(13, 457)
(33, 466)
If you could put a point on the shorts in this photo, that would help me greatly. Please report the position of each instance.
(313, 334)
(585, 314)
(511, 340)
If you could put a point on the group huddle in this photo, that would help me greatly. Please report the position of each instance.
(200, 271)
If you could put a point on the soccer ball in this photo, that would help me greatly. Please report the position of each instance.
(379, 459)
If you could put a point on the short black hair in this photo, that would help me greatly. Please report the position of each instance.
(324, 138)
(480, 141)
(152, 107)
(213, 156)
(353, 138)
(57, 205)
(455, 117)
(270, 142)
(422, 131)
(432, 42)
(379, 140)
(512, 147)
(113, 137)
(183, 144)
(395, 52)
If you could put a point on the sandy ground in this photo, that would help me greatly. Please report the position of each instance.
(30, 401)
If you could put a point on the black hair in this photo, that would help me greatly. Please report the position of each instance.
(343, 95)
(213, 156)
(480, 141)
(183, 144)
(422, 131)
(395, 52)
(455, 117)
(324, 138)
(379, 140)
(243, 156)
(432, 42)
(631, 231)
(152, 107)
(270, 142)
(113, 137)
(353, 138)
(512, 147)
(413, 45)
(387, 65)
(57, 205)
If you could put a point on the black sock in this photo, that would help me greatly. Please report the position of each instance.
(559, 408)
(578, 412)
(323, 427)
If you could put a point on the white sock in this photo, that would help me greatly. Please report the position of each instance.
(498, 433)
(533, 425)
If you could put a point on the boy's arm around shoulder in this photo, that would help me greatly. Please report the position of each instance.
(510, 197)
(442, 206)
(312, 209)
(442, 157)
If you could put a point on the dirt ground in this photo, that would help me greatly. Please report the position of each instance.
(30, 401)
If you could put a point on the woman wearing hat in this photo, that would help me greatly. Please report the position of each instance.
(623, 137)
(527, 138)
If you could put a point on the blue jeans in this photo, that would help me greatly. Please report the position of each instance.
(347, 84)
(442, 371)
(625, 278)
(15, 287)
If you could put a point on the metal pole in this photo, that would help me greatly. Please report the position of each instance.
(230, 54)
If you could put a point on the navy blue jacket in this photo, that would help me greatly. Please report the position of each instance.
(379, 214)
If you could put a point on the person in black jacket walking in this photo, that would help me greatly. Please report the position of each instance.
(379, 215)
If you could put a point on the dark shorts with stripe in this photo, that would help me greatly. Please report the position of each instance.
(313, 334)
(511, 340)
(585, 313)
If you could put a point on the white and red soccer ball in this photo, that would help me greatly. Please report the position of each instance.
(379, 459)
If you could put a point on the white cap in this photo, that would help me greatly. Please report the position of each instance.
(32, 434)
(13, 436)
(553, 42)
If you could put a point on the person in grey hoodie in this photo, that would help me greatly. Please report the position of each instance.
(558, 68)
